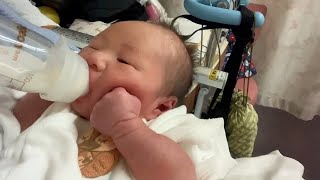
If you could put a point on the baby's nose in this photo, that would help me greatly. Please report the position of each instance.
(96, 62)
(97, 66)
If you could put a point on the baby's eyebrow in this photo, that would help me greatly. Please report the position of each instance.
(129, 47)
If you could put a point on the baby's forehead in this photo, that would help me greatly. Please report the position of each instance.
(146, 37)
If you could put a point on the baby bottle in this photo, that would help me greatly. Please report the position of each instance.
(30, 62)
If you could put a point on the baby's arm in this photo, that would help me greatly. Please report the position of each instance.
(149, 155)
(153, 156)
(29, 108)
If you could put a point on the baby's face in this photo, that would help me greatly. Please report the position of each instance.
(129, 55)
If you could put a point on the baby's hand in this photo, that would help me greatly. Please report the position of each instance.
(116, 113)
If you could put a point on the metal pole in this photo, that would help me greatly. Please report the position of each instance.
(212, 46)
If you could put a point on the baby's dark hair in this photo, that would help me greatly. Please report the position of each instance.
(179, 74)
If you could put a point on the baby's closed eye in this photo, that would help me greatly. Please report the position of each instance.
(122, 61)
(130, 63)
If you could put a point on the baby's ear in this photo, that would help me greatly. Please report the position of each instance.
(164, 104)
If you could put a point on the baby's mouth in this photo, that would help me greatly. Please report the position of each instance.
(83, 97)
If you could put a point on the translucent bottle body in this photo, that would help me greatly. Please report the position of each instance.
(30, 62)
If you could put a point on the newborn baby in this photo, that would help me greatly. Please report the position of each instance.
(137, 70)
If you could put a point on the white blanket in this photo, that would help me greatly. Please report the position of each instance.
(48, 149)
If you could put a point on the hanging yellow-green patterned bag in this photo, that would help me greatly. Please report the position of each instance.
(242, 126)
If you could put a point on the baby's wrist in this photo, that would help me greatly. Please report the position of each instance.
(127, 127)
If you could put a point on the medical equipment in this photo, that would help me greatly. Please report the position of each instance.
(240, 118)
(210, 77)
(242, 21)
(203, 10)
(30, 62)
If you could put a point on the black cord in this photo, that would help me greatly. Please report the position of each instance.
(250, 57)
